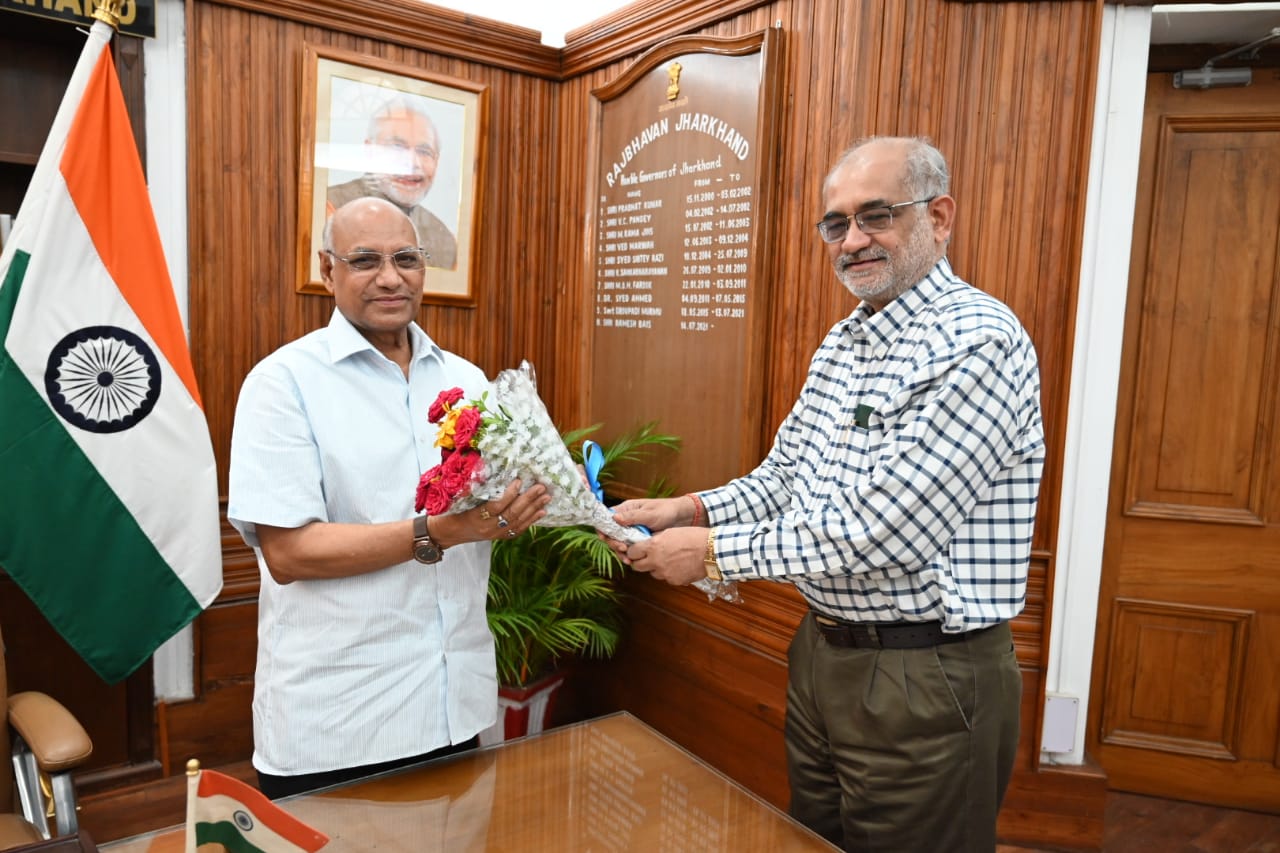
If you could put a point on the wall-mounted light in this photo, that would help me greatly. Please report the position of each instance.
(1208, 77)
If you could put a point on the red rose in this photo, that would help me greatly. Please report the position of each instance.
(437, 502)
(444, 401)
(424, 485)
(475, 467)
(466, 426)
(457, 471)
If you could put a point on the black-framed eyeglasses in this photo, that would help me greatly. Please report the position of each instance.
(834, 227)
(405, 260)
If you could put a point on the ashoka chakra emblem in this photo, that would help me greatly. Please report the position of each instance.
(102, 379)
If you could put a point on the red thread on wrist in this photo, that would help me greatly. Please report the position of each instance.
(699, 511)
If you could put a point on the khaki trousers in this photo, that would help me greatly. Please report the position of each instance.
(902, 750)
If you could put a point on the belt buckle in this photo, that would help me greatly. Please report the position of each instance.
(864, 636)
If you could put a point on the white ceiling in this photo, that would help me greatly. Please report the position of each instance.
(552, 19)
(1195, 23)
(1213, 23)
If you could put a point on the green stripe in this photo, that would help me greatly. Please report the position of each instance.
(67, 539)
(227, 834)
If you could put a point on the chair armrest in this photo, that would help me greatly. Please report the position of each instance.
(53, 735)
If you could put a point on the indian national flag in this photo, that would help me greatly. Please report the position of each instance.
(226, 811)
(108, 490)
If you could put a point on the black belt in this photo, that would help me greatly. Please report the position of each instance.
(887, 635)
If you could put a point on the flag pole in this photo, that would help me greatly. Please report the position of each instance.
(193, 782)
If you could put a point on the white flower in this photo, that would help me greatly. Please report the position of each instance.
(520, 441)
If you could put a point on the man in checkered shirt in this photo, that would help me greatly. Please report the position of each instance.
(899, 498)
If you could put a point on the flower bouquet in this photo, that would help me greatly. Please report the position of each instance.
(507, 435)
(488, 443)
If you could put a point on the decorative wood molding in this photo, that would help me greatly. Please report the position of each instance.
(1153, 645)
(1185, 512)
(640, 26)
(421, 26)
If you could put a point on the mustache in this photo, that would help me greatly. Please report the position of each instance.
(871, 253)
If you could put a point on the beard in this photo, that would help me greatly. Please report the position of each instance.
(898, 271)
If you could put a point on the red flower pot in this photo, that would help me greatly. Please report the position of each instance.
(523, 710)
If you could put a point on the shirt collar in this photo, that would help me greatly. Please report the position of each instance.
(883, 326)
(345, 340)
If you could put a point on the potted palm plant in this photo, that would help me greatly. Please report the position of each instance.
(552, 595)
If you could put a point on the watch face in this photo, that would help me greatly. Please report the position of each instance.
(426, 552)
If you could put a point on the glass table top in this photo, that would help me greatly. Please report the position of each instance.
(607, 784)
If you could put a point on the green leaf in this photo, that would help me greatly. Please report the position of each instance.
(551, 589)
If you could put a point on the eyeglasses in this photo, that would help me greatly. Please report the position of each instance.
(833, 228)
(405, 260)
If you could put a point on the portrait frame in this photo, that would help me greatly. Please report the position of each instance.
(342, 90)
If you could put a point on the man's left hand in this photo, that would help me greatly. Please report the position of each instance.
(675, 555)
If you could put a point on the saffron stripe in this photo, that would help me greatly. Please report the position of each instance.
(104, 177)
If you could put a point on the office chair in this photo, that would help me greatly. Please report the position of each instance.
(46, 743)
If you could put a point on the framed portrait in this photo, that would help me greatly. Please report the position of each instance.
(371, 127)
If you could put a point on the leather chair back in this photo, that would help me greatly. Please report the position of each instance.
(8, 793)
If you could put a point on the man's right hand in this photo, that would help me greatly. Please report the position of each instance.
(655, 513)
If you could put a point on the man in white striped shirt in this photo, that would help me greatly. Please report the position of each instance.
(899, 497)
(373, 649)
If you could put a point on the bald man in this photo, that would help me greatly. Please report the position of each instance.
(373, 647)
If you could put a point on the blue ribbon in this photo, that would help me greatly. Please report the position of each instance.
(593, 463)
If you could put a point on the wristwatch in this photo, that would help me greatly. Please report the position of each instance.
(425, 550)
(709, 559)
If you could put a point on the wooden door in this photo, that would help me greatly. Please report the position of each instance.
(1186, 675)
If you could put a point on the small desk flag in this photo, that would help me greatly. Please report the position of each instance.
(223, 810)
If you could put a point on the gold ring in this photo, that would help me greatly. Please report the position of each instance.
(511, 533)
(484, 513)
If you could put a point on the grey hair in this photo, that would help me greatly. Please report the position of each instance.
(925, 169)
(326, 236)
(399, 106)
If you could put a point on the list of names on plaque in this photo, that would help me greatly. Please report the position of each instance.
(684, 229)
(628, 265)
